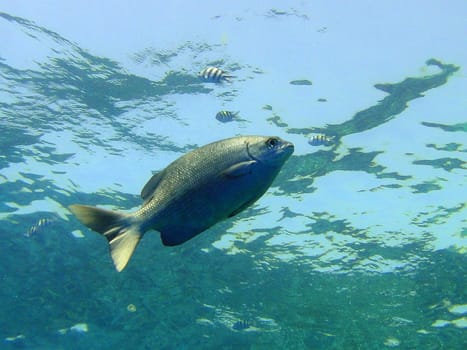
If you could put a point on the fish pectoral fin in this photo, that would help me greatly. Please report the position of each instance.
(239, 169)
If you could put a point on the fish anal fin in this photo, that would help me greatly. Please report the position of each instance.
(176, 236)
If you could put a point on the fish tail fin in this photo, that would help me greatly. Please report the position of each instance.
(228, 77)
(122, 234)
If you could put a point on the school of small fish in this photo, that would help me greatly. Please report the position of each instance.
(201, 188)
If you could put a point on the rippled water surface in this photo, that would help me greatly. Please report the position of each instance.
(360, 243)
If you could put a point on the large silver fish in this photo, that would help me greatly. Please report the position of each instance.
(193, 193)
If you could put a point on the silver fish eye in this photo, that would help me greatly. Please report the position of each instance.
(272, 142)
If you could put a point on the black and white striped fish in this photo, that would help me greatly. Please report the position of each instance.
(214, 75)
(226, 116)
(34, 229)
(320, 140)
(241, 325)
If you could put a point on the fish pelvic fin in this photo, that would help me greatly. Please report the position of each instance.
(123, 235)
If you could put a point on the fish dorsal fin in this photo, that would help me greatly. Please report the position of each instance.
(151, 185)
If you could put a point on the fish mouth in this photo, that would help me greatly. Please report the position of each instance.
(283, 152)
(288, 147)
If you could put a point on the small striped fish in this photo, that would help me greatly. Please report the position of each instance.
(241, 325)
(320, 140)
(34, 229)
(214, 75)
(226, 116)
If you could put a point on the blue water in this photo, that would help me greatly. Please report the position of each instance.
(360, 243)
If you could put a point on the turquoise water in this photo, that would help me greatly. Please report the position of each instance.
(360, 243)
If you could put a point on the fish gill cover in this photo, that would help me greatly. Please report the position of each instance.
(351, 248)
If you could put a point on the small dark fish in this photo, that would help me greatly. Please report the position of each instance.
(39, 226)
(226, 116)
(214, 75)
(241, 325)
(301, 82)
(320, 140)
